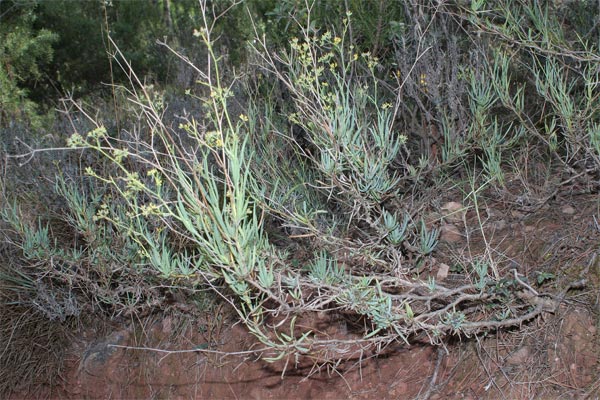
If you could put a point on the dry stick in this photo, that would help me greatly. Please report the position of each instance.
(200, 350)
(110, 63)
(28, 156)
(532, 290)
(487, 370)
(436, 370)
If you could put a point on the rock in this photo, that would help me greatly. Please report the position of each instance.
(453, 212)
(401, 388)
(167, 326)
(568, 210)
(573, 367)
(517, 214)
(500, 224)
(519, 357)
(592, 330)
(442, 272)
(97, 356)
(450, 234)
(322, 316)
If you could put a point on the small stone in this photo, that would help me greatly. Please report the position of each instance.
(442, 272)
(322, 315)
(401, 388)
(453, 211)
(568, 210)
(573, 367)
(450, 234)
(516, 214)
(256, 393)
(519, 357)
(500, 224)
(592, 330)
(167, 326)
(529, 228)
(76, 389)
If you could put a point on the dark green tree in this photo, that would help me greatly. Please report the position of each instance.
(24, 53)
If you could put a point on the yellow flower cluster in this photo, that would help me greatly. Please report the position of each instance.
(153, 173)
(213, 139)
(98, 133)
(76, 140)
(102, 213)
(120, 154)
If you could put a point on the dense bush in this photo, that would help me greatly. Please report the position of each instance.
(24, 52)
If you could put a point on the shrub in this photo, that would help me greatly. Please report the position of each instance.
(23, 53)
(307, 201)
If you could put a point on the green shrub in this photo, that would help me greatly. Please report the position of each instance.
(24, 51)
(328, 156)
